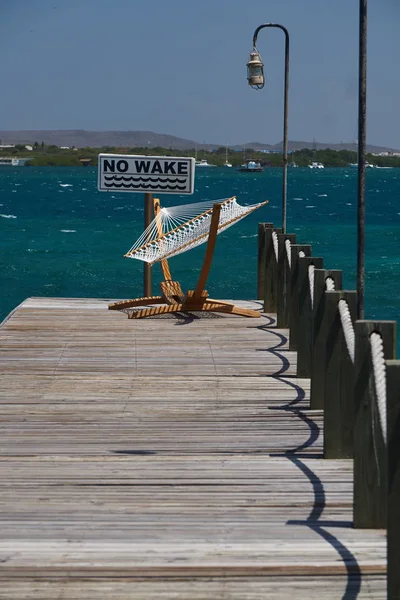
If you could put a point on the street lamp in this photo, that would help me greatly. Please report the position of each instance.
(255, 78)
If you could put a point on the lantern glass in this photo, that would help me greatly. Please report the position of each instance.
(255, 71)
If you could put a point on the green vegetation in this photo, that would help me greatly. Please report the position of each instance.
(50, 155)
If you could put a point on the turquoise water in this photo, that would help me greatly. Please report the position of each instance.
(61, 237)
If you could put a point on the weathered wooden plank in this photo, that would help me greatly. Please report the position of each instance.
(217, 588)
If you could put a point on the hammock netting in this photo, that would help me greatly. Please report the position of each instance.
(180, 228)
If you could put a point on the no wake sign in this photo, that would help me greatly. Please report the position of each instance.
(160, 174)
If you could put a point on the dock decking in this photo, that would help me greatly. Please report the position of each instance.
(168, 458)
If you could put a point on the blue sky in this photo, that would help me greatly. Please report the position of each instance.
(179, 67)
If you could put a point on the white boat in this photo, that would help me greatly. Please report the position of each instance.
(251, 167)
(316, 165)
(203, 163)
(11, 161)
(227, 163)
(367, 165)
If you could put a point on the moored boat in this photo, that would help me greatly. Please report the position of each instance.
(11, 161)
(251, 167)
(227, 163)
(203, 163)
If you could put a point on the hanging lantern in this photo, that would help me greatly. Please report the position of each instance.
(255, 70)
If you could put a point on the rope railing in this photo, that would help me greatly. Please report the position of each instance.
(348, 329)
(288, 246)
(330, 284)
(345, 319)
(275, 244)
(379, 371)
(311, 270)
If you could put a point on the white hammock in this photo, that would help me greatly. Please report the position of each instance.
(180, 228)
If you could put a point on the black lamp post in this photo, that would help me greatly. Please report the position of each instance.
(255, 77)
(362, 127)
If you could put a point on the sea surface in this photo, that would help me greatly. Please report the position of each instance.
(59, 236)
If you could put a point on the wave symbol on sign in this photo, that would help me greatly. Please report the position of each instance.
(144, 186)
(118, 178)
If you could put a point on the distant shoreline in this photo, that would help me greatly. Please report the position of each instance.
(43, 155)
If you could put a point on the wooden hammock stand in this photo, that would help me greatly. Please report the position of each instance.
(172, 299)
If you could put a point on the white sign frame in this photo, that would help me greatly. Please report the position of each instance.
(149, 174)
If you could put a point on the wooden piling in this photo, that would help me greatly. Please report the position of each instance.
(271, 270)
(320, 341)
(339, 379)
(283, 281)
(306, 329)
(262, 250)
(393, 465)
(293, 294)
(370, 468)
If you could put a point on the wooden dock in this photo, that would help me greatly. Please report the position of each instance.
(168, 458)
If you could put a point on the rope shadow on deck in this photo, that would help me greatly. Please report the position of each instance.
(354, 577)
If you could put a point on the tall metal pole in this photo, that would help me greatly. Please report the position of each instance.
(285, 133)
(362, 137)
(148, 217)
(285, 116)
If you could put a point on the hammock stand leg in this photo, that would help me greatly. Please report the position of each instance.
(207, 306)
(212, 238)
(136, 302)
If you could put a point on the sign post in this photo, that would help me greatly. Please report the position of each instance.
(148, 174)
(148, 217)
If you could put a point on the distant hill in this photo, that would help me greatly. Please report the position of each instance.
(81, 138)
